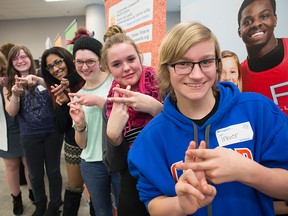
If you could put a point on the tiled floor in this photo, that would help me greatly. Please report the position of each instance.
(6, 199)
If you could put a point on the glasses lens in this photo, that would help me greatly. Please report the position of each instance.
(183, 67)
(49, 67)
(90, 63)
(79, 63)
(58, 62)
(208, 65)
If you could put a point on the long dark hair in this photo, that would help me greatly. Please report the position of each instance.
(68, 59)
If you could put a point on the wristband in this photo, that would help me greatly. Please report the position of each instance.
(80, 129)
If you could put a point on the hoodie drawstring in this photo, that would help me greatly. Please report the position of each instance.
(207, 140)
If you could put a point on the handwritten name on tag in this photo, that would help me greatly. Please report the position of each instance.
(234, 134)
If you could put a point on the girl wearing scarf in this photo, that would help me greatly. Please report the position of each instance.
(133, 100)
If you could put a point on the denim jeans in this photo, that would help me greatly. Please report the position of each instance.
(98, 180)
(44, 150)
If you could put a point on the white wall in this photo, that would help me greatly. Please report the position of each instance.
(34, 32)
(221, 17)
(172, 19)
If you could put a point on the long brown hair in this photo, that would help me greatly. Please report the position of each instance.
(3, 65)
(11, 71)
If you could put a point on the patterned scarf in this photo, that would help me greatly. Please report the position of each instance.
(147, 86)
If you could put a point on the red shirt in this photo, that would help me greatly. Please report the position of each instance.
(272, 83)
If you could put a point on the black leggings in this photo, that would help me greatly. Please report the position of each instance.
(129, 202)
(44, 151)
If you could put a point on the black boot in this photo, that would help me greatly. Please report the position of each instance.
(40, 210)
(72, 201)
(17, 204)
(52, 211)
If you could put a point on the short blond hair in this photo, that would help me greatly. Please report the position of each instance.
(175, 44)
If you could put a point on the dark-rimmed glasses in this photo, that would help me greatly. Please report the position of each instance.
(56, 63)
(206, 65)
(90, 63)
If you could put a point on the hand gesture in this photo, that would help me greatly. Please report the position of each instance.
(220, 164)
(59, 89)
(193, 191)
(61, 98)
(138, 101)
(18, 87)
(88, 99)
(76, 112)
(30, 80)
(118, 118)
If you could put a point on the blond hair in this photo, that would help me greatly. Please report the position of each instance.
(113, 39)
(175, 44)
(112, 30)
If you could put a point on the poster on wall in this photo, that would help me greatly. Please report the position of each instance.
(143, 21)
(223, 21)
(128, 14)
(69, 34)
(257, 32)
(48, 43)
(58, 40)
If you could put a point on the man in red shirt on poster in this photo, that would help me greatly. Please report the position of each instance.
(266, 68)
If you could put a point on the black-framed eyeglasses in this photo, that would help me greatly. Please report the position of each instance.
(56, 63)
(206, 65)
(90, 63)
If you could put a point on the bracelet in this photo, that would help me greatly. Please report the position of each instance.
(15, 101)
(80, 129)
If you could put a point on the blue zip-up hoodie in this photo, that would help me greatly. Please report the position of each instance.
(248, 123)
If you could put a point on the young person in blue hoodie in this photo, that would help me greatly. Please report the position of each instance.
(231, 145)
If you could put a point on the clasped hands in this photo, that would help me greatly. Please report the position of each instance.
(192, 188)
(60, 91)
(22, 83)
(202, 166)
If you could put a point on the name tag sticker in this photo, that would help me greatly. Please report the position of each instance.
(234, 134)
(41, 88)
